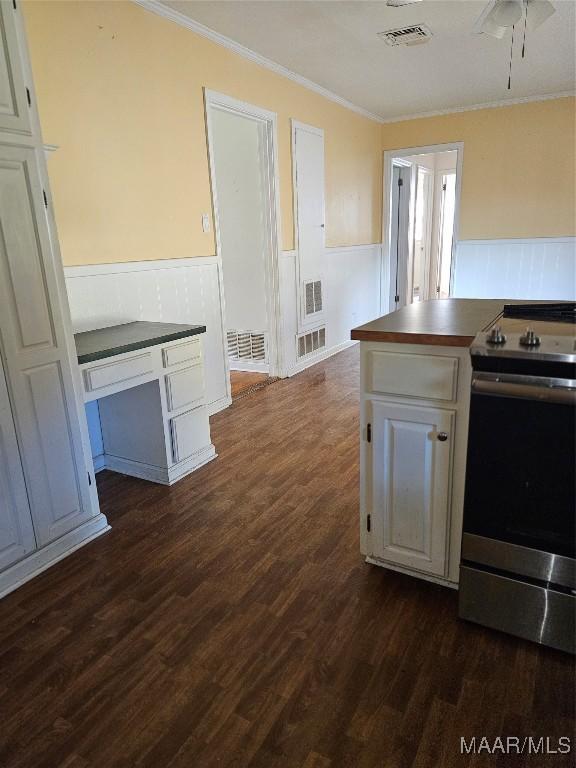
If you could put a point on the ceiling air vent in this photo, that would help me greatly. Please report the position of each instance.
(414, 35)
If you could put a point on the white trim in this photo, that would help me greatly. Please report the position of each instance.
(319, 357)
(163, 476)
(185, 21)
(254, 366)
(520, 241)
(45, 558)
(92, 270)
(218, 405)
(389, 156)
(99, 462)
(474, 107)
(333, 249)
(411, 572)
(269, 121)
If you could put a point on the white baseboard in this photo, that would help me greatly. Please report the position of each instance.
(321, 355)
(99, 462)
(44, 558)
(218, 405)
(415, 574)
(248, 365)
(160, 475)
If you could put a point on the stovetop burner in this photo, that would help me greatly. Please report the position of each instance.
(559, 312)
(542, 332)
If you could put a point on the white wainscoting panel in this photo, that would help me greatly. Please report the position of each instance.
(172, 291)
(540, 268)
(351, 297)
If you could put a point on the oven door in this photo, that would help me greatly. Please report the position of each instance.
(521, 476)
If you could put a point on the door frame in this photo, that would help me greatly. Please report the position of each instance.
(389, 156)
(269, 156)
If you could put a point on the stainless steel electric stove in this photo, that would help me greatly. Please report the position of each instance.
(518, 568)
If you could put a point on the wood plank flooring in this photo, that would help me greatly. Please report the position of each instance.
(241, 381)
(230, 621)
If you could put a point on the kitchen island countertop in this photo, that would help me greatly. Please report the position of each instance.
(443, 322)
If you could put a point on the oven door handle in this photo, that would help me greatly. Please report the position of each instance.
(560, 395)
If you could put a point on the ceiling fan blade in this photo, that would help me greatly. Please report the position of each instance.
(489, 27)
(538, 12)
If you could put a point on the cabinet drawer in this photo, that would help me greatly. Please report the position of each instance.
(426, 376)
(185, 388)
(190, 433)
(182, 353)
(100, 376)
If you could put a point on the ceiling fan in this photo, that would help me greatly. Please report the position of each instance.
(499, 16)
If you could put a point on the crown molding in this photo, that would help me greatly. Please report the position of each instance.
(473, 107)
(185, 21)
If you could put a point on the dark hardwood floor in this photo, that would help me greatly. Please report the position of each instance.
(230, 621)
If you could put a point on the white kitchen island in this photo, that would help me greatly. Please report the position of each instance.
(415, 394)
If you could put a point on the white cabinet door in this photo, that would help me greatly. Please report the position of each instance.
(16, 532)
(410, 472)
(14, 109)
(39, 354)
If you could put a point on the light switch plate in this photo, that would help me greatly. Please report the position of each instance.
(205, 222)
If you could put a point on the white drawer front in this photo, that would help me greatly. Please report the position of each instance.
(100, 376)
(185, 388)
(190, 433)
(426, 376)
(189, 351)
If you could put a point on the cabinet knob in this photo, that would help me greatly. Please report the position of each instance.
(442, 436)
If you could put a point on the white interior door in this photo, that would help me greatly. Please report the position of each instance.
(399, 235)
(446, 234)
(240, 174)
(418, 289)
(16, 531)
(308, 159)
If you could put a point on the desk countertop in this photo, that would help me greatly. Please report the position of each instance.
(118, 339)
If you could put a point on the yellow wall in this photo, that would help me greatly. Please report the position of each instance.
(120, 93)
(518, 177)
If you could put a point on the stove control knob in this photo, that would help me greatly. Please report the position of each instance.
(496, 336)
(530, 339)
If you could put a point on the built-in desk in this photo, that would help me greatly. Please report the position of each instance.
(148, 381)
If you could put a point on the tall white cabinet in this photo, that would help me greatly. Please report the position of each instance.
(48, 498)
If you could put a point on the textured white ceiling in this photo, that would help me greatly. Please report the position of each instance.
(334, 44)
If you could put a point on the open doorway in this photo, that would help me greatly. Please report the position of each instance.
(421, 194)
(241, 144)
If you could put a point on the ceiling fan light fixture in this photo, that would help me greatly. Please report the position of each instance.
(506, 13)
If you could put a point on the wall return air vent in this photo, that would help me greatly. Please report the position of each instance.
(313, 297)
(414, 35)
(311, 342)
(246, 345)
